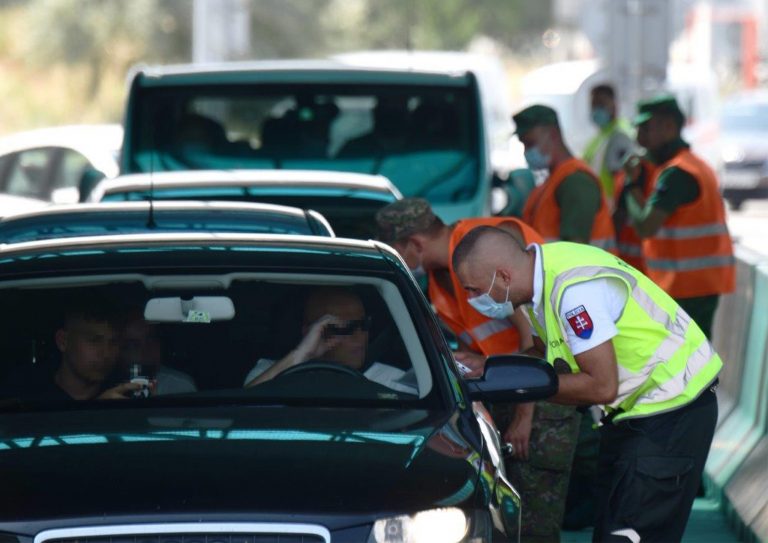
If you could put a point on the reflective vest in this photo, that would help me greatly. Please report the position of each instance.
(664, 359)
(480, 333)
(628, 243)
(543, 214)
(692, 253)
(594, 155)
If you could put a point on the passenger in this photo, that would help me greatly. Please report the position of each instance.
(686, 245)
(570, 205)
(543, 435)
(335, 329)
(390, 132)
(606, 151)
(140, 343)
(88, 346)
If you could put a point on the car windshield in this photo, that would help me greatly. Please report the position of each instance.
(170, 340)
(422, 138)
(745, 117)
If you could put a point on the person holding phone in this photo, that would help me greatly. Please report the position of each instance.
(335, 329)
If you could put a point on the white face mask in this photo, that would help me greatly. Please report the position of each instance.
(491, 308)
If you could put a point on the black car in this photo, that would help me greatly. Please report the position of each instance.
(322, 451)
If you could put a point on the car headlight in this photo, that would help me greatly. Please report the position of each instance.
(448, 525)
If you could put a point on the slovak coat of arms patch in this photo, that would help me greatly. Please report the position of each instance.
(581, 322)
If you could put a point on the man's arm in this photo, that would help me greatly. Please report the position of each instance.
(598, 381)
(675, 187)
(579, 199)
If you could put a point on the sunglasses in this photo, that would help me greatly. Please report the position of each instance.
(348, 328)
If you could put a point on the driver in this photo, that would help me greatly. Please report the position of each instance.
(335, 329)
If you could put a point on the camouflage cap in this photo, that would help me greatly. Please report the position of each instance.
(664, 104)
(403, 218)
(533, 116)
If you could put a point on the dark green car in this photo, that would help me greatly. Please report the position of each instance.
(161, 388)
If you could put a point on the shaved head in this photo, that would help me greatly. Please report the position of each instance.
(489, 259)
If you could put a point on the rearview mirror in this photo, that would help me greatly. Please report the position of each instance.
(514, 378)
(197, 309)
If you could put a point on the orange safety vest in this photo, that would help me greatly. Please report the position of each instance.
(628, 243)
(542, 212)
(480, 333)
(692, 253)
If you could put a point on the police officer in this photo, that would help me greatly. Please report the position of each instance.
(687, 249)
(543, 436)
(570, 204)
(606, 151)
(621, 342)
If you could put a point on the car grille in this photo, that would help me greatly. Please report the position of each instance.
(196, 533)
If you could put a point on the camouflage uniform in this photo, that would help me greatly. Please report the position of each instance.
(542, 480)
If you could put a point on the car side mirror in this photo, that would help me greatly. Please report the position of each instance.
(514, 378)
(65, 195)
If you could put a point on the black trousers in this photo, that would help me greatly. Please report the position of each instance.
(649, 471)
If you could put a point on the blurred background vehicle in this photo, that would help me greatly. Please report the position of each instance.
(348, 201)
(423, 130)
(59, 164)
(744, 129)
(111, 218)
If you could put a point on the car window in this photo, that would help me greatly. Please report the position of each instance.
(185, 343)
(30, 173)
(423, 139)
(71, 169)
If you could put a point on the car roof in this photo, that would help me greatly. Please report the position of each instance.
(289, 71)
(247, 178)
(222, 250)
(110, 217)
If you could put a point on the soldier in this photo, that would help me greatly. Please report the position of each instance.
(686, 246)
(570, 204)
(543, 436)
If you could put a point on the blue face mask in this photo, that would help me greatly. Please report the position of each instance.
(536, 159)
(491, 308)
(601, 117)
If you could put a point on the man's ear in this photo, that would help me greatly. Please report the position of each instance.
(61, 339)
(504, 276)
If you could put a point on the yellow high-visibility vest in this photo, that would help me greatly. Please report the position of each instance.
(664, 359)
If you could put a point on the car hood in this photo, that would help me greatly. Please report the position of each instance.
(250, 459)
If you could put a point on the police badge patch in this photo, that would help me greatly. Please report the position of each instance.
(580, 321)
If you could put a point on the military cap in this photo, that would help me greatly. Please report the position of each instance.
(664, 104)
(403, 218)
(533, 116)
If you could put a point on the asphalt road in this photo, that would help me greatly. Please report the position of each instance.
(749, 225)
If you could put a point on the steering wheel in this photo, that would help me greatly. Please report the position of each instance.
(322, 365)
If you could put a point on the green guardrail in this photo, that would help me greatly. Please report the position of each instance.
(737, 468)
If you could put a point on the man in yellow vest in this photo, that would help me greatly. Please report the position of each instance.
(686, 246)
(543, 437)
(606, 151)
(619, 341)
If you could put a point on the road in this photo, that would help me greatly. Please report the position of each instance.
(749, 225)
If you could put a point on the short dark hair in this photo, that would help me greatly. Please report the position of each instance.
(604, 89)
(468, 243)
(94, 309)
